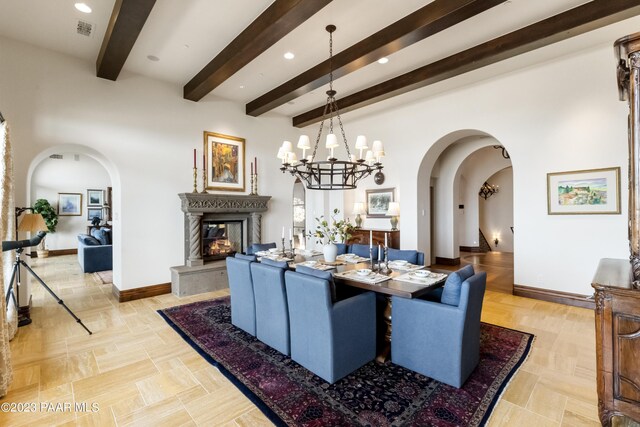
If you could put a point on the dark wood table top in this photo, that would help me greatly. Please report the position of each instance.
(389, 287)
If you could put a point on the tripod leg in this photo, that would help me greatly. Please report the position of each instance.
(13, 276)
(54, 296)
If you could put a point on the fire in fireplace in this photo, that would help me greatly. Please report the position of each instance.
(221, 239)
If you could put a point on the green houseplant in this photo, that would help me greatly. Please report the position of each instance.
(328, 232)
(50, 216)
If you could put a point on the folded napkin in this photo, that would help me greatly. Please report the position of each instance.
(404, 267)
(411, 277)
(372, 278)
(276, 258)
(352, 260)
(316, 265)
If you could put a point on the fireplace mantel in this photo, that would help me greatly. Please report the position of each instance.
(223, 206)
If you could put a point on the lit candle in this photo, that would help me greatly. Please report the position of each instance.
(194, 158)
(386, 245)
(370, 239)
(290, 234)
(283, 232)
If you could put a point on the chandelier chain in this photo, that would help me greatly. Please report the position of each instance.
(315, 148)
(344, 137)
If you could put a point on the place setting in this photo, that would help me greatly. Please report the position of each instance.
(274, 254)
(351, 258)
(314, 264)
(402, 265)
(363, 275)
(421, 277)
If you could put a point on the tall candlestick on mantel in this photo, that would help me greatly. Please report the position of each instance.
(194, 157)
(255, 160)
(370, 239)
(252, 173)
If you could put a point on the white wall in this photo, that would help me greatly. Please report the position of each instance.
(556, 116)
(67, 175)
(144, 133)
(496, 213)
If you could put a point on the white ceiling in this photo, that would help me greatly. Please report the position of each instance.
(187, 34)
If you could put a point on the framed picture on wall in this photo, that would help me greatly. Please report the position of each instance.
(378, 202)
(584, 192)
(224, 162)
(69, 204)
(95, 197)
(94, 213)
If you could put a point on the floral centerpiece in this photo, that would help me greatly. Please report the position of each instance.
(328, 232)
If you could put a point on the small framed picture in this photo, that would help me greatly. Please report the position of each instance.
(69, 204)
(95, 198)
(94, 213)
(585, 192)
(378, 202)
(224, 162)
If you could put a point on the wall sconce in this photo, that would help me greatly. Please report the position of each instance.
(358, 209)
(487, 190)
(496, 241)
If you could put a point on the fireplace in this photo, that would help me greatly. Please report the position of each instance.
(221, 239)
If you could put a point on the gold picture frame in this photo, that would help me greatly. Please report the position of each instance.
(224, 162)
(584, 192)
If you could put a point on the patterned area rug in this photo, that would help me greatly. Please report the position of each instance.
(374, 395)
(104, 277)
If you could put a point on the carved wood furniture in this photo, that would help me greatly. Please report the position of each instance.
(361, 236)
(617, 341)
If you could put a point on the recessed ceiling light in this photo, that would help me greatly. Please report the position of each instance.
(83, 7)
(153, 58)
(289, 55)
(383, 60)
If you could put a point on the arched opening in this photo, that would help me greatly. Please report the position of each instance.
(299, 214)
(80, 169)
(450, 177)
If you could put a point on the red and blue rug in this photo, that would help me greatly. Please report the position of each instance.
(374, 395)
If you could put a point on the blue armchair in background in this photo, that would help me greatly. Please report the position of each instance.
(243, 307)
(411, 256)
(363, 250)
(330, 340)
(257, 247)
(272, 316)
(440, 339)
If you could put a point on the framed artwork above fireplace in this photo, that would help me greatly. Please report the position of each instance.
(224, 162)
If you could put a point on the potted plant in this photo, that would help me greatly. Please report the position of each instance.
(44, 208)
(327, 233)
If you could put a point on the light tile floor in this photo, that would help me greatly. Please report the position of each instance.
(138, 371)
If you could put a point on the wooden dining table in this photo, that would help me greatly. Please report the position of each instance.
(387, 288)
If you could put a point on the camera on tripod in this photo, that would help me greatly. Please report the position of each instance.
(19, 245)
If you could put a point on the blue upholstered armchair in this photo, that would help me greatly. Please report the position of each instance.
(414, 257)
(330, 340)
(243, 307)
(363, 250)
(440, 340)
(272, 317)
(342, 248)
(257, 247)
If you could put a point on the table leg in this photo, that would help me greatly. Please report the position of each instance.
(386, 351)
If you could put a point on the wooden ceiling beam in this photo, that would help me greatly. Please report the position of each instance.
(127, 19)
(280, 18)
(579, 20)
(425, 22)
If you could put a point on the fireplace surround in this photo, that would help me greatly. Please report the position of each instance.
(229, 222)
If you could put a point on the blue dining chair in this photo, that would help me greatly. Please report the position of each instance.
(257, 247)
(342, 248)
(272, 315)
(329, 339)
(363, 250)
(411, 256)
(243, 307)
(441, 339)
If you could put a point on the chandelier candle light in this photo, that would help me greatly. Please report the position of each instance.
(332, 174)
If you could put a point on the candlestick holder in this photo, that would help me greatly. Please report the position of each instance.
(384, 268)
(293, 250)
(204, 181)
(195, 180)
(373, 265)
(254, 185)
(252, 193)
(284, 253)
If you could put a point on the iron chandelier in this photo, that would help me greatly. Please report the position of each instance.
(332, 174)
